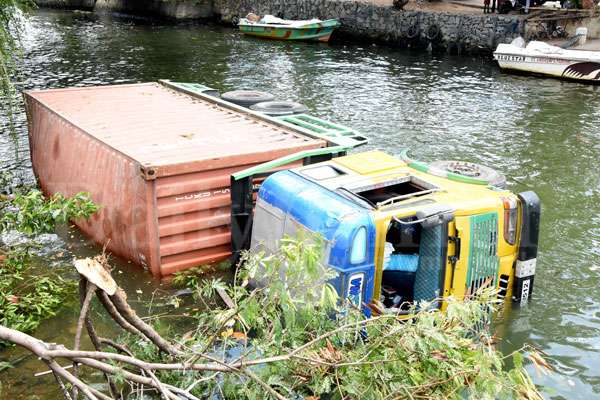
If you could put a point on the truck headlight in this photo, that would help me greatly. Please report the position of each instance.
(511, 213)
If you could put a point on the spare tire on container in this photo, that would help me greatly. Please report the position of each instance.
(277, 108)
(246, 98)
(472, 170)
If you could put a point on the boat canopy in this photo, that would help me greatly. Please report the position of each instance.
(273, 20)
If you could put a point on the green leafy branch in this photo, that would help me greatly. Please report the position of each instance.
(31, 213)
(30, 293)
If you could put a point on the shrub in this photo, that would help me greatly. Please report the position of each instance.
(30, 293)
(299, 341)
(31, 213)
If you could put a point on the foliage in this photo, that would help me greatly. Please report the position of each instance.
(193, 276)
(29, 294)
(31, 213)
(25, 302)
(304, 343)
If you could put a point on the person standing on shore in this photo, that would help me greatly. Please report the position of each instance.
(486, 6)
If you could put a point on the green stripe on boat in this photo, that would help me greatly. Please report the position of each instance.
(318, 31)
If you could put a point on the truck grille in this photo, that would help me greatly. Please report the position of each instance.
(483, 260)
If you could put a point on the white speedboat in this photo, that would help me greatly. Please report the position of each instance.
(542, 58)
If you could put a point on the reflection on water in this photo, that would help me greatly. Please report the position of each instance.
(544, 134)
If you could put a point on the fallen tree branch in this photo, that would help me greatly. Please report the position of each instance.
(86, 290)
(114, 314)
(315, 354)
(119, 300)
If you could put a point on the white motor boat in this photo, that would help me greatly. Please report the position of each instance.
(542, 58)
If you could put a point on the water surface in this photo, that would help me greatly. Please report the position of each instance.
(543, 133)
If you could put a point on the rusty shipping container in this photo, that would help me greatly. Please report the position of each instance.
(157, 160)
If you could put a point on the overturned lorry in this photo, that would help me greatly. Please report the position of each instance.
(397, 231)
(186, 178)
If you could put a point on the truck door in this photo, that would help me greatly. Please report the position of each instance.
(473, 254)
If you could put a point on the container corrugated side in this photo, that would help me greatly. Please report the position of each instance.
(194, 215)
(67, 160)
(168, 217)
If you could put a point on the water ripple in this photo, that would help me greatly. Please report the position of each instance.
(544, 134)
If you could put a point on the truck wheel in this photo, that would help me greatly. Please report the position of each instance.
(279, 108)
(246, 98)
(472, 170)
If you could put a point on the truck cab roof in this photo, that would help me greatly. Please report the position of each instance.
(380, 182)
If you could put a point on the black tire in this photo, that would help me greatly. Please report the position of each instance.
(399, 4)
(277, 108)
(246, 98)
(413, 31)
(433, 31)
(473, 170)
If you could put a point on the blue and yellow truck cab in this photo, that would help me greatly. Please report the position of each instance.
(397, 232)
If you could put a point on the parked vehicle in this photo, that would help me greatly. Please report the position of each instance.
(542, 58)
(270, 27)
(398, 232)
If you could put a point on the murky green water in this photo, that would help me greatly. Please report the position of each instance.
(544, 134)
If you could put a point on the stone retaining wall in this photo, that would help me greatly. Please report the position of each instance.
(173, 9)
(67, 4)
(451, 31)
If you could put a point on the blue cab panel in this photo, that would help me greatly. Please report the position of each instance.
(348, 228)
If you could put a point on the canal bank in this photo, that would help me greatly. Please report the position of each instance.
(178, 9)
(446, 26)
(454, 31)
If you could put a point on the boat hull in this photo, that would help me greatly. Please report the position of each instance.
(314, 32)
(557, 67)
